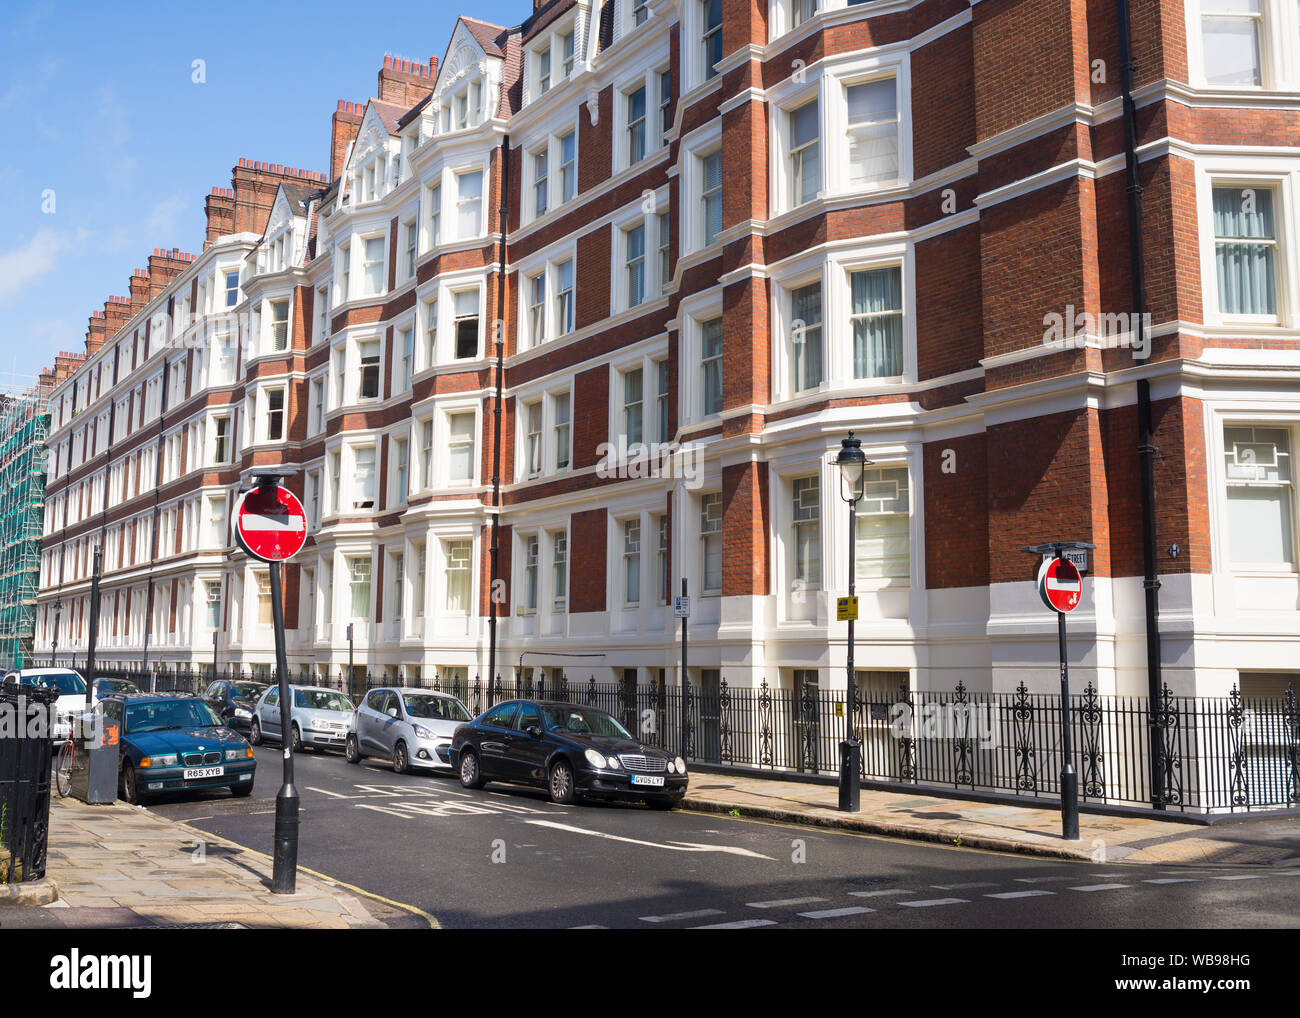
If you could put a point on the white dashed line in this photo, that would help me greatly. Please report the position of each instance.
(1171, 880)
(928, 902)
(588, 927)
(836, 913)
(963, 887)
(1040, 880)
(784, 902)
(1019, 894)
(743, 924)
(700, 914)
(1242, 876)
(878, 894)
(1099, 887)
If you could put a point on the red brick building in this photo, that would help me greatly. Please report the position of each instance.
(734, 231)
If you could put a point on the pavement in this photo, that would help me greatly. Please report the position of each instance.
(1023, 829)
(123, 867)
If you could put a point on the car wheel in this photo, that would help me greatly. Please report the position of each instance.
(242, 790)
(401, 759)
(562, 788)
(255, 732)
(296, 739)
(130, 785)
(351, 750)
(663, 804)
(471, 776)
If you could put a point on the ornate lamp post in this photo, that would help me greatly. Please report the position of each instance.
(852, 463)
(54, 643)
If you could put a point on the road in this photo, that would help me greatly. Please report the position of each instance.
(505, 857)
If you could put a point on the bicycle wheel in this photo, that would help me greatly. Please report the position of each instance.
(63, 770)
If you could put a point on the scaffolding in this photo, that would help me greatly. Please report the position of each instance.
(24, 428)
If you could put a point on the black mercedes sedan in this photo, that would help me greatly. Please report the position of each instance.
(568, 749)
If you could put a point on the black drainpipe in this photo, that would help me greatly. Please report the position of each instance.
(499, 338)
(1146, 445)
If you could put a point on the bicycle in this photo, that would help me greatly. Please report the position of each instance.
(63, 768)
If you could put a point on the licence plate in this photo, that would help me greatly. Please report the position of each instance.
(194, 773)
(648, 780)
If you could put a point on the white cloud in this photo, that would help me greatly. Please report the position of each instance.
(22, 266)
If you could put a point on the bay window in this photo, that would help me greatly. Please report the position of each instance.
(711, 542)
(466, 307)
(457, 575)
(711, 366)
(460, 452)
(873, 130)
(806, 523)
(806, 335)
(359, 585)
(805, 154)
(469, 204)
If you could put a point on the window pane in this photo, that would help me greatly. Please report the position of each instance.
(1245, 249)
(873, 131)
(877, 323)
(806, 312)
(1231, 47)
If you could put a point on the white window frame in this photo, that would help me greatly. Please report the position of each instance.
(1256, 413)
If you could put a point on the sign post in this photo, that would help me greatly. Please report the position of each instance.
(1060, 586)
(271, 525)
(682, 609)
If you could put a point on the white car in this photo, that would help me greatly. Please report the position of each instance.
(72, 693)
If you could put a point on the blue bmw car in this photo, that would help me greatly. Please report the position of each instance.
(172, 743)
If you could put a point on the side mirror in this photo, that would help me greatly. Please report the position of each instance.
(392, 712)
(533, 731)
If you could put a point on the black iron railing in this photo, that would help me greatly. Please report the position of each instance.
(1218, 753)
(26, 751)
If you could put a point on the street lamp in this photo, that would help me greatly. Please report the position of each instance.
(853, 479)
(54, 644)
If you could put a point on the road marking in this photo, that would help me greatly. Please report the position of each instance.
(962, 887)
(835, 913)
(928, 902)
(1019, 894)
(592, 927)
(698, 914)
(743, 924)
(877, 894)
(783, 902)
(1099, 887)
(1171, 880)
(1242, 876)
(1039, 880)
(676, 846)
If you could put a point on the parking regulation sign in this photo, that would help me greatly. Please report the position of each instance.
(271, 524)
(1060, 584)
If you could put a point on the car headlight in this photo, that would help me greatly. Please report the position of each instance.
(241, 713)
(166, 760)
(595, 759)
(681, 765)
(421, 732)
(672, 767)
(239, 754)
(612, 761)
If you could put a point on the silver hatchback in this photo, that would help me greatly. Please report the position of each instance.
(320, 717)
(411, 727)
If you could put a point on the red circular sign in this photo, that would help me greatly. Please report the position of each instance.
(271, 525)
(1060, 585)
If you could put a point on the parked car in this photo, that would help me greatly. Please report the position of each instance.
(568, 749)
(72, 693)
(407, 726)
(107, 687)
(173, 741)
(320, 718)
(235, 700)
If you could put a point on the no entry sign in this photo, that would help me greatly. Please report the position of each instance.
(271, 524)
(1060, 584)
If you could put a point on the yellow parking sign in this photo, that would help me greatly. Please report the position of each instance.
(846, 609)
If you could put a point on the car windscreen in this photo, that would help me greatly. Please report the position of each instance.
(67, 683)
(436, 708)
(583, 721)
(246, 690)
(162, 715)
(321, 699)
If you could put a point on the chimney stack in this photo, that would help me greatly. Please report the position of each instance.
(405, 82)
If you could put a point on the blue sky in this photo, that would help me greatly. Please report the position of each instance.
(97, 105)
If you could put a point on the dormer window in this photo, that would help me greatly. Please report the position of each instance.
(543, 72)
